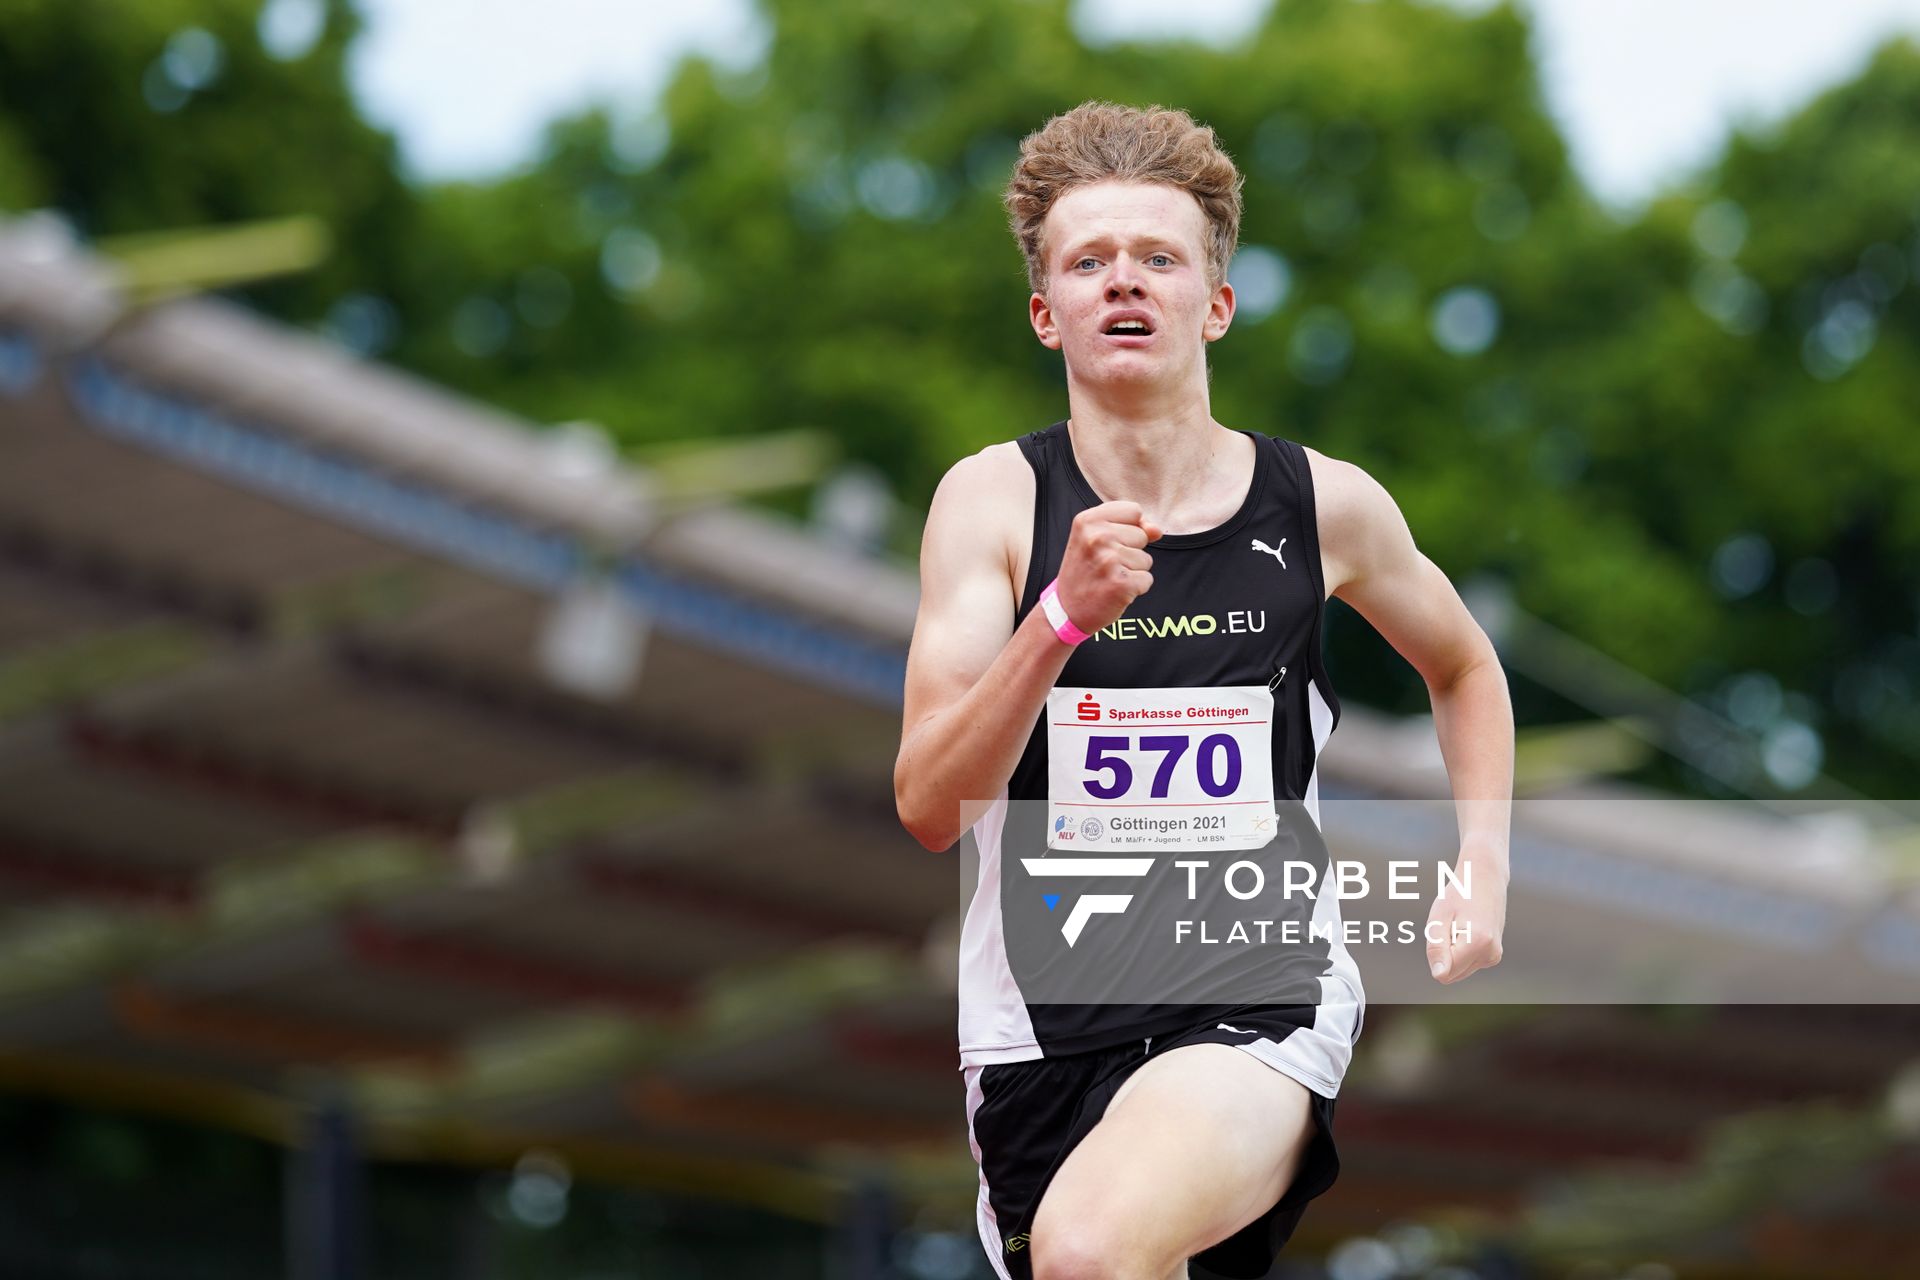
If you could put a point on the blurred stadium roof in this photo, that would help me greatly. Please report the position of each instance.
(292, 810)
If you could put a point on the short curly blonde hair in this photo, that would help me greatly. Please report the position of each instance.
(1103, 141)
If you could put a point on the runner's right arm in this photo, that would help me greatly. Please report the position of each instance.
(975, 685)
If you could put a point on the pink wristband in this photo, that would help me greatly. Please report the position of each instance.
(1057, 614)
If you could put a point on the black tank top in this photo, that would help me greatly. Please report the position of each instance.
(1265, 611)
(1238, 604)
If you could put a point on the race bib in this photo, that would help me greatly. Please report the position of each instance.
(1160, 768)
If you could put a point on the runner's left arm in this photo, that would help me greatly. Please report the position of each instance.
(1373, 563)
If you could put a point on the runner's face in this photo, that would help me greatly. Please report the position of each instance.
(1119, 251)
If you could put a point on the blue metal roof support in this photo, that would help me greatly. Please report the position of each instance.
(343, 488)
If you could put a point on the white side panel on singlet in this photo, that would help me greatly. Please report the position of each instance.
(994, 1024)
(1318, 1056)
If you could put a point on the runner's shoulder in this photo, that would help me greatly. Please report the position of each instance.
(1342, 490)
(979, 517)
(990, 491)
(1355, 515)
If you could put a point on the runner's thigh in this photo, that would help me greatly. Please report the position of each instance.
(1196, 1144)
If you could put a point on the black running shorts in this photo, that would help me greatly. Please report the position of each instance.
(1027, 1117)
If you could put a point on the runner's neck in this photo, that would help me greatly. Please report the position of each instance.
(1185, 475)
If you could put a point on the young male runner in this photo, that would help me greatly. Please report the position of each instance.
(1117, 1140)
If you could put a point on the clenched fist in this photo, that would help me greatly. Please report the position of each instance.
(1106, 566)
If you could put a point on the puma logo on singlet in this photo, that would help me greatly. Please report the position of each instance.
(1272, 551)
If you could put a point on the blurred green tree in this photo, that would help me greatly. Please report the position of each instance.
(1737, 384)
(178, 113)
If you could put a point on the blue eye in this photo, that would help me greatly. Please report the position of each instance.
(1161, 257)
(1083, 262)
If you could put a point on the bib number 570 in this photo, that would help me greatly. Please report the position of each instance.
(1216, 763)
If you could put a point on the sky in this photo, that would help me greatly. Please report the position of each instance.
(1644, 90)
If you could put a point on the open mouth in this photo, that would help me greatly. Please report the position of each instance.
(1129, 329)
